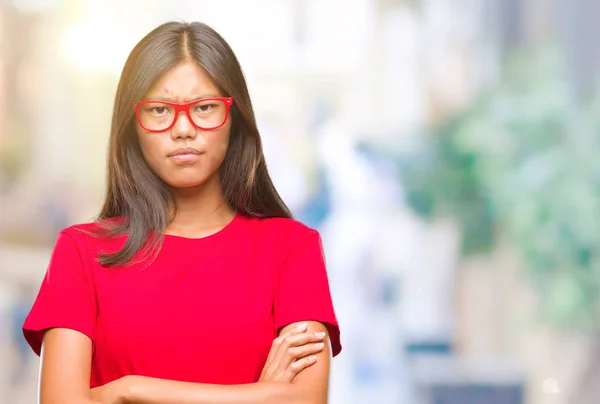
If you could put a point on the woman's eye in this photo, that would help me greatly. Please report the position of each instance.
(204, 108)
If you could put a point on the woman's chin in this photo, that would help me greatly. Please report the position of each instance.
(185, 184)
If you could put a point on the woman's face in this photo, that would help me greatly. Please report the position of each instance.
(183, 156)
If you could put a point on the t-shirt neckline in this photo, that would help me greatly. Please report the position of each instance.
(220, 233)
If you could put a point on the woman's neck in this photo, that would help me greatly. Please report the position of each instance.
(201, 211)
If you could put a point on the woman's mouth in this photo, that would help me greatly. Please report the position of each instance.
(184, 155)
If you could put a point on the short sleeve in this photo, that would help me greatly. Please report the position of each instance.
(65, 298)
(302, 290)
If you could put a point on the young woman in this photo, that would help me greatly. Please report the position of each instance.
(194, 285)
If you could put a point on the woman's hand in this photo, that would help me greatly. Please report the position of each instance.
(115, 392)
(291, 353)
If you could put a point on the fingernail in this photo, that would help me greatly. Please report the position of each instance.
(301, 327)
(319, 345)
(312, 358)
(319, 334)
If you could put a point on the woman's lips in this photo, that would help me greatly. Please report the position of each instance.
(185, 154)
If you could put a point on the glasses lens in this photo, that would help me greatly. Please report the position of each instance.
(208, 114)
(205, 114)
(156, 116)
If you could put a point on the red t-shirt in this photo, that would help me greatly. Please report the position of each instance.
(206, 311)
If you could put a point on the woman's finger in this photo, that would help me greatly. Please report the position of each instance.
(284, 357)
(300, 328)
(299, 366)
(301, 351)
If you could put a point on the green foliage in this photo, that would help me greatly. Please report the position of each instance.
(523, 164)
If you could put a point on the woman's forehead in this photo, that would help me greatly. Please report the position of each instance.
(186, 80)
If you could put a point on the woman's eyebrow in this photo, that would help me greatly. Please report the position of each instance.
(167, 98)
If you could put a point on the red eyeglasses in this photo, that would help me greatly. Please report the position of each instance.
(160, 116)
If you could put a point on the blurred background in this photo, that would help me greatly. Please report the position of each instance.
(447, 151)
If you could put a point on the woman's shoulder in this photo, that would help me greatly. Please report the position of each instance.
(285, 224)
(284, 228)
(92, 232)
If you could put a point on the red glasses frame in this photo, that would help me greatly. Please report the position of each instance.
(179, 108)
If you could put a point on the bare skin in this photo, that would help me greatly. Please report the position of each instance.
(296, 371)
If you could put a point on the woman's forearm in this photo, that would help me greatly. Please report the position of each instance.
(146, 390)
